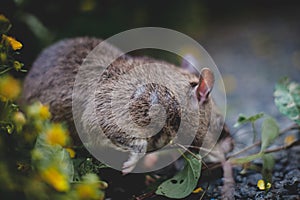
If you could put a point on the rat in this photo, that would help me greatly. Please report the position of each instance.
(51, 81)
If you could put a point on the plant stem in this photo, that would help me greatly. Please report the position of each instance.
(246, 159)
(292, 127)
(4, 71)
(254, 131)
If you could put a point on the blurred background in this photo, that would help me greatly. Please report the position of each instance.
(254, 43)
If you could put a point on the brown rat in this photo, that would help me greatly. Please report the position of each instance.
(51, 81)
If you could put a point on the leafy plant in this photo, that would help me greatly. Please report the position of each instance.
(9, 47)
(36, 155)
(242, 119)
(184, 182)
(287, 99)
(269, 133)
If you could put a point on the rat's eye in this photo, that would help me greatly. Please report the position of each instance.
(193, 84)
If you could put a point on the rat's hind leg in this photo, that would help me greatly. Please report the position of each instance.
(138, 149)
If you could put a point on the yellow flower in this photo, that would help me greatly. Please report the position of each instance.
(10, 88)
(44, 112)
(197, 190)
(40, 111)
(56, 179)
(262, 186)
(17, 65)
(87, 191)
(19, 118)
(289, 139)
(90, 187)
(56, 134)
(71, 152)
(3, 18)
(15, 45)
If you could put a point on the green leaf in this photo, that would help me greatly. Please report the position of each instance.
(287, 99)
(243, 119)
(45, 155)
(270, 131)
(268, 164)
(184, 182)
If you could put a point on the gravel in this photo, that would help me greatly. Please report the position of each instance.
(286, 180)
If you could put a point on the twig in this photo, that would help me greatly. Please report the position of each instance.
(146, 195)
(245, 149)
(202, 196)
(209, 151)
(186, 149)
(292, 127)
(238, 161)
(295, 143)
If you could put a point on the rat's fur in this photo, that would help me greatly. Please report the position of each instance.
(51, 81)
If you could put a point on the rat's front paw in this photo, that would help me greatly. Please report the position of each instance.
(128, 166)
(139, 150)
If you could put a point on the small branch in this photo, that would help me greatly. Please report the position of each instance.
(292, 127)
(260, 154)
(186, 149)
(213, 166)
(145, 196)
(202, 196)
(209, 151)
(245, 149)
(295, 143)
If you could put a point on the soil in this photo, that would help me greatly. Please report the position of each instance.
(286, 182)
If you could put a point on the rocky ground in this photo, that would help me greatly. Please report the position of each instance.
(286, 181)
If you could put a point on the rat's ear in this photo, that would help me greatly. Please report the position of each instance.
(206, 83)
